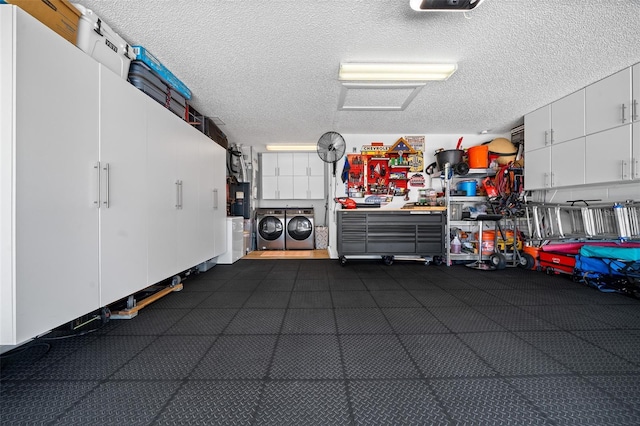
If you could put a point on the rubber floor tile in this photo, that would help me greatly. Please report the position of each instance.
(167, 358)
(303, 403)
(256, 321)
(565, 317)
(212, 403)
(352, 299)
(347, 284)
(474, 297)
(483, 402)
(461, 319)
(395, 299)
(413, 321)
(97, 360)
(445, 355)
(376, 357)
(309, 321)
(395, 402)
(271, 299)
(28, 359)
(510, 355)
(624, 388)
(362, 321)
(271, 284)
(310, 299)
(236, 357)
(120, 402)
(241, 284)
(573, 400)
(203, 322)
(623, 343)
(431, 298)
(311, 284)
(307, 357)
(576, 354)
(33, 402)
(514, 318)
(380, 284)
(225, 300)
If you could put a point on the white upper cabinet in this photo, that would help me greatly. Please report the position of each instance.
(537, 125)
(567, 118)
(608, 102)
(635, 165)
(297, 176)
(537, 170)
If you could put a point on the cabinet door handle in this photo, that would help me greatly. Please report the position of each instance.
(546, 138)
(97, 168)
(551, 135)
(181, 193)
(106, 176)
(635, 109)
(624, 168)
(624, 108)
(215, 199)
(636, 168)
(177, 195)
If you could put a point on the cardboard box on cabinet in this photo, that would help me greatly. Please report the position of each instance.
(59, 15)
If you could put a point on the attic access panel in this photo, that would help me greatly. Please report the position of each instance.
(377, 97)
(444, 5)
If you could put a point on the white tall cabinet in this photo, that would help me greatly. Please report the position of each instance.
(49, 186)
(89, 207)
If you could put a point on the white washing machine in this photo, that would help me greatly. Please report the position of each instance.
(300, 234)
(270, 229)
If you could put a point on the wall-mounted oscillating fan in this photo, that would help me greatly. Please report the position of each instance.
(331, 148)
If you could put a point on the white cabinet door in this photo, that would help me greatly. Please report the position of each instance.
(162, 192)
(188, 173)
(635, 163)
(220, 201)
(316, 165)
(608, 102)
(568, 163)
(608, 155)
(285, 164)
(51, 144)
(300, 164)
(537, 128)
(212, 229)
(537, 169)
(123, 214)
(567, 118)
(269, 166)
(269, 187)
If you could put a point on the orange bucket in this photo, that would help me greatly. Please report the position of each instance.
(488, 241)
(478, 157)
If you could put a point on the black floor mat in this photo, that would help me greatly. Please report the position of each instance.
(304, 342)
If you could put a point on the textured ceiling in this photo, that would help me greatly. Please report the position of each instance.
(269, 69)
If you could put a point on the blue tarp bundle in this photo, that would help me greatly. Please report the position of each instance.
(610, 269)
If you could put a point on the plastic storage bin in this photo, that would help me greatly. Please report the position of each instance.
(97, 39)
(152, 62)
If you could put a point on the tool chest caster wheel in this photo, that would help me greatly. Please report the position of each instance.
(438, 260)
(388, 260)
(343, 260)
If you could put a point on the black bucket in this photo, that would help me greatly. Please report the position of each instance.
(451, 156)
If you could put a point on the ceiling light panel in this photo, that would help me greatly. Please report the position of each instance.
(444, 5)
(291, 147)
(395, 72)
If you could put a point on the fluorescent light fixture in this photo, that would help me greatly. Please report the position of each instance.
(395, 72)
(291, 147)
(444, 5)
